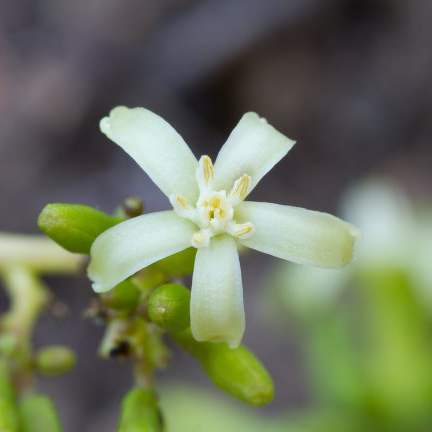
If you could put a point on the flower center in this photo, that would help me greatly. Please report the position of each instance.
(214, 210)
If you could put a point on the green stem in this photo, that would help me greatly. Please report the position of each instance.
(28, 296)
(37, 253)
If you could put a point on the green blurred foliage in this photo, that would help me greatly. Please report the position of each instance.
(364, 332)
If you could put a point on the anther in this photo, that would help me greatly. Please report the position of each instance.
(205, 172)
(240, 189)
(201, 238)
(241, 231)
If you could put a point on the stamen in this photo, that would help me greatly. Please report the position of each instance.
(213, 212)
(205, 172)
(178, 202)
(241, 231)
(201, 238)
(181, 207)
(240, 189)
(181, 200)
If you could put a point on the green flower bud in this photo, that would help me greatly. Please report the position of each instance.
(236, 371)
(74, 226)
(55, 360)
(180, 263)
(38, 414)
(123, 296)
(131, 207)
(139, 412)
(168, 307)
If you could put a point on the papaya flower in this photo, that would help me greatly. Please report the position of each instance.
(210, 213)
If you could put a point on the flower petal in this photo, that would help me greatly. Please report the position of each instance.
(157, 148)
(217, 312)
(298, 235)
(253, 148)
(134, 244)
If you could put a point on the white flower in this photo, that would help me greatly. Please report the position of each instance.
(210, 214)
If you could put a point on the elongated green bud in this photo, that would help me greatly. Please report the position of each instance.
(139, 412)
(236, 371)
(55, 360)
(168, 307)
(38, 414)
(180, 263)
(123, 296)
(9, 419)
(74, 226)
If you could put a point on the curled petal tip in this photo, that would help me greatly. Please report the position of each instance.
(156, 147)
(105, 125)
(98, 288)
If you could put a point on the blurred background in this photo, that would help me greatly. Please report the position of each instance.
(350, 80)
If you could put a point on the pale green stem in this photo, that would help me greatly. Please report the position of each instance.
(28, 297)
(37, 253)
(135, 334)
(143, 374)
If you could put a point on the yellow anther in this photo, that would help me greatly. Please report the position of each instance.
(216, 202)
(242, 230)
(198, 237)
(181, 201)
(240, 188)
(201, 238)
(208, 169)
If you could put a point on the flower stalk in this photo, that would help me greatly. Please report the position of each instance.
(36, 253)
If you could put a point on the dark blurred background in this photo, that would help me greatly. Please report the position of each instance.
(350, 80)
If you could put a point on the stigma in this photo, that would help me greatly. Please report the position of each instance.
(213, 212)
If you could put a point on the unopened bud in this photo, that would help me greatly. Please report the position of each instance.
(139, 412)
(236, 371)
(180, 263)
(123, 296)
(75, 226)
(132, 207)
(168, 307)
(55, 360)
(38, 414)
